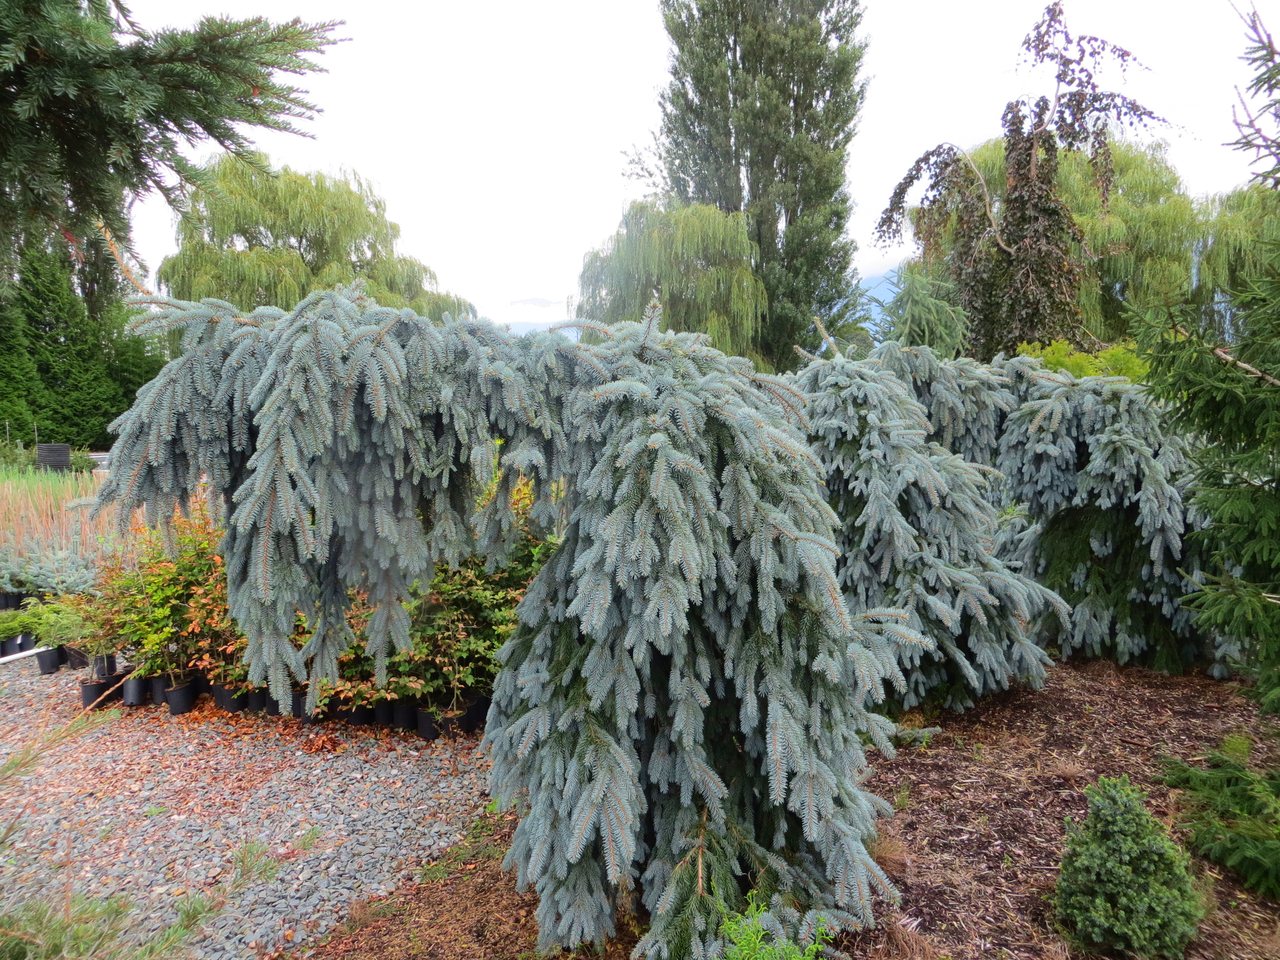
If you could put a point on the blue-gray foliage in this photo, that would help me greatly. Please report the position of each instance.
(918, 532)
(683, 708)
(1093, 493)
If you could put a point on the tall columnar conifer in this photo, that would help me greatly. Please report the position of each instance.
(757, 118)
(682, 710)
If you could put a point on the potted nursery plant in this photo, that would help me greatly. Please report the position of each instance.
(67, 622)
(20, 628)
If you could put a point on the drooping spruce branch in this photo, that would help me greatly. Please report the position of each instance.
(918, 532)
(681, 712)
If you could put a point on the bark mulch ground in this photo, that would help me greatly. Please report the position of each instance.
(974, 846)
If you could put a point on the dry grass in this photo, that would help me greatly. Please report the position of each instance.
(902, 941)
(888, 850)
(48, 511)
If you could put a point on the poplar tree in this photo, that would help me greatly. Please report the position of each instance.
(757, 118)
(695, 261)
(681, 712)
(98, 110)
(255, 235)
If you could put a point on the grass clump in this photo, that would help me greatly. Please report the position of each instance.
(1125, 886)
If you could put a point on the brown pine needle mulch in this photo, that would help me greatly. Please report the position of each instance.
(974, 846)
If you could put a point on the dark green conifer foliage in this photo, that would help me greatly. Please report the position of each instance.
(75, 397)
(1125, 886)
(98, 110)
(693, 591)
(918, 532)
(19, 381)
(757, 119)
(1223, 384)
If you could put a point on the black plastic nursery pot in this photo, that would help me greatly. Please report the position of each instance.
(404, 714)
(273, 706)
(49, 659)
(427, 729)
(383, 713)
(236, 702)
(76, 660)
(158, 685)
(26, 642)
(256, 701)
(474, 717)
(104, 666)
(135, 691)
(181, 699)
(361, 716)
(299, 706)
(219, 694)
(94, 692)
(9, 646)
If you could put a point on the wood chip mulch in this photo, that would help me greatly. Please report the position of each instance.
(978, 836)
(974, 846)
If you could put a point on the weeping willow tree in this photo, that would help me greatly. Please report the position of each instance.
(681, 711)
(256, 235)
(694, 259)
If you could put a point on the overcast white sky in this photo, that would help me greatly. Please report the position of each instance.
(496, 130)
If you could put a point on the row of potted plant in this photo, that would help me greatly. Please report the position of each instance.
(105, 684)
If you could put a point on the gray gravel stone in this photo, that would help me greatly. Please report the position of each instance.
(156, 808)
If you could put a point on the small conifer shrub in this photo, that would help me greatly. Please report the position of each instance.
(1125, 886)
(1232, 812)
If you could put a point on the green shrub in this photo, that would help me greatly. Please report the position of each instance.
(1120, 360)
(1125, 885)
(1232, 813)
(748, 938)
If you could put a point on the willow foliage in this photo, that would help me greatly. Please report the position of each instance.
(918, 532)
(695, 260)
(257, 235)
(681, 712)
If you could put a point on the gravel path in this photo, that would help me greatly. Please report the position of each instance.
(157, 808)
